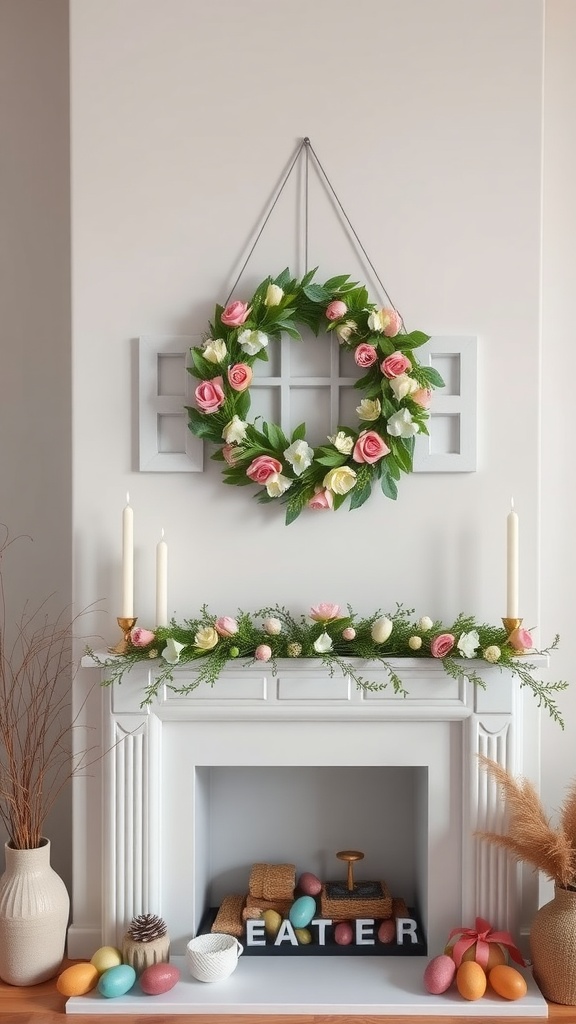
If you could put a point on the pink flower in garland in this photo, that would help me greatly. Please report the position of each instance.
(209, 395)
(240, 376)
(520, 639)
(370, 447)
(235, 314)
(365, 355)
(262, 468)
(442, 645)
(263, 652)
(140, 637)
(321, 499)
(226, 626)
(325, 612)
(395, 364)
(336, 309)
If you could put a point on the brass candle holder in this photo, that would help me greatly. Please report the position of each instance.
(126, 625)
(510, 625)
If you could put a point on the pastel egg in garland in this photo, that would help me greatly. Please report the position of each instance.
(309, 884)
(105, 958)
(159, 978)
(117, 981)
(343, 933)
(302, 911)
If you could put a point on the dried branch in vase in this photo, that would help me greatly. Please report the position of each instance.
(529, 835)
(35, 716)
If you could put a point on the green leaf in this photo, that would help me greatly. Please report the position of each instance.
(401, 455)
(363, 487)
(388, 486)
(427, 375)
(335, 283)
(413, 340)
(277, 438)
(307, 278)
(284, 279)
(316, 293)
(299, 433)
(298, 497)
(243, 404)
(202, 426)
(331, 460)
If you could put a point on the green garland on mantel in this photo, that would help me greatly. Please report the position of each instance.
(332, 637)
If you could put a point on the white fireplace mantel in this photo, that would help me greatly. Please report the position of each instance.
(251, 718)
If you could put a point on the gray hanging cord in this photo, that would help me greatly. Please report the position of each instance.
(268, 215)
(306, 197)
(348, 221)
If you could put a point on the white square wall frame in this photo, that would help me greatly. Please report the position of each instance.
(166, 445)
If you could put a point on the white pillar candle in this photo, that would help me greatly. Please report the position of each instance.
(512, 564)
(162, 582)
(127, 560)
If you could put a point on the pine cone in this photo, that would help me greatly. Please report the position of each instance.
(147, 928)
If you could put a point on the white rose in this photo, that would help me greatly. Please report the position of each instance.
(381, 630)
(300, 456)
(415, 643)
(424, 624)
(252, 342)
(172, 651)
(272, 626)
(369, 409)
(342, 442)
(274, 295)
(468, 644)
(277, 484)
(344, 331)
(214, 350)
(403, 385)
(340, 480)
(235, 431)
(401, 424)
(206, 638)
(375, 321)
(323, 643)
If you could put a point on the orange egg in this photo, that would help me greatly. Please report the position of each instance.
(471, 980)
(496, 955)
(77, 980)
(508, 982)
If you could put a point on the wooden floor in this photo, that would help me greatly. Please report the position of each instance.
(43, 1005)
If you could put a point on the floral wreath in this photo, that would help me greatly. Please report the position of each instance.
(396, 393)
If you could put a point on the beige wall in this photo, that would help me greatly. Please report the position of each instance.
(35, 348)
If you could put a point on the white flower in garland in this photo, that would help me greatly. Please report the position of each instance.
(342, 442)
(401, 424)
(299, 454)
(235, 431)
(369, 409)
(214, 350)
(274, 295)
(172, 651)
(277, 484)
(323, 644)
(252, 342)
(403, 385)
(340, 480)
(468, 644)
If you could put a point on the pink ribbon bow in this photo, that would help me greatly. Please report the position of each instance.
(482, 937)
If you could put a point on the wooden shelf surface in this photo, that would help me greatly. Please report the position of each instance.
(42, 1004)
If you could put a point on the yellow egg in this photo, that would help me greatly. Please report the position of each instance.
(496, 955)
(508, 982)
(77, 980)
(272, 921)
(471, 980)
(303, 935)
(106, 957)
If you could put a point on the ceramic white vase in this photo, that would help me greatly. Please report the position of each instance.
(34, 907)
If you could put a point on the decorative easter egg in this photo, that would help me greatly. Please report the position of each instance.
(439, 974)
(343, 933)
(496, 955)
(309, 884)
(303, 935)
(117, 981)
(106, 957)
(302, 911)
(387, 931)
(508, 982)
(159, 978)
(272, 921)
(77, 980)
(471, 980)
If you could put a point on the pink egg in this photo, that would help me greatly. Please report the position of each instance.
(439, 974)
(159, 978)
(343, 933)
(309, 884)
(387, 931)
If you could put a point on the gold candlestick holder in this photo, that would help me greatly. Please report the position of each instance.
(126, 625)
(511, 624)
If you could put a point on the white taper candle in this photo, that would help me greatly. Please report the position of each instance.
(512, 563)
(162, 582)
(128, 560)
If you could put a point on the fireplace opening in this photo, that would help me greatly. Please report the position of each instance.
(305, 815)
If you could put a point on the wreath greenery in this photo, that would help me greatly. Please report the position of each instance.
(395, 395)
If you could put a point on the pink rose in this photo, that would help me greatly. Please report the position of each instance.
(442, 645)
(393, 322)
(325, 612)
(240, 376)
(365, 355)
(322, 499)
(349, 633)
(422, 397)
(141, 637)
(231, 454)
(336, 309)
(263, 652)
(395, 364)
(369, 447)
(262, 468)
(235, 314)
(209, 395)
(520, 639)
(226, 626)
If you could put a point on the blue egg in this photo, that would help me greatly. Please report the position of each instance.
(302, 911)
(117, 981)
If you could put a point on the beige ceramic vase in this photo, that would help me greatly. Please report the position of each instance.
(553, 947)
(34, 907)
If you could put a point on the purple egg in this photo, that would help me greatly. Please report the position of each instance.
(309, 884)
(159, 978)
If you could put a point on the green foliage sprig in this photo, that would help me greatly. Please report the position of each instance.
(332, 637)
